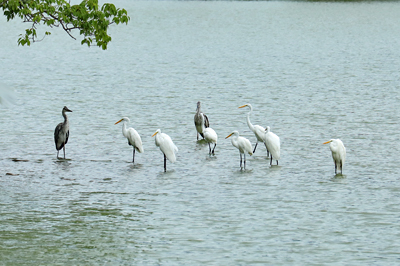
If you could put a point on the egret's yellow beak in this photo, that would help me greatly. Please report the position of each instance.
(155, 134)
(229, 134)
(327, 142)
(118, 121)
(243, 106)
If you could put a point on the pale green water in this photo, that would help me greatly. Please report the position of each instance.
(312, 71)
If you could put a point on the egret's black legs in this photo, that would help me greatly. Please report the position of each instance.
(240, 160)
(276, 162)
(267, 153)
(244, 155)
(335, 169)
(133, 160)
(165, 163)
(255, 147)
(209, 148)
(214, 148)
(270, 162)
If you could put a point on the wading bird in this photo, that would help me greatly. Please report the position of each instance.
(259, 131)
(211, 137)
(132, 136)
(168, 148)
(273, 144)
(61, 133)
(338, 153)
(200, 121)
(242, 144)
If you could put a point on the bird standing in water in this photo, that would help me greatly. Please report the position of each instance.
(132, 136)
(167, 147)
(200, 121)
(338, 153)
(61, 133)
(258, 131)
(242, 144)
(273, 144)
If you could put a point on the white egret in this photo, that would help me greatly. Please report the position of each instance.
(211, 137)
(200, 121)
(168, 148)
(338, 153)
(259, 131)
(61, 132)
(242, 144)
(132, 136)
(273, 144)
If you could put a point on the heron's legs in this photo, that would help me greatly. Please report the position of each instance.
(64, 150)
(57, 154)
(197, 135)
(165, 163)
(255, 147)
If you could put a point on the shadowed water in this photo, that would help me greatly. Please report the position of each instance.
(312, 72)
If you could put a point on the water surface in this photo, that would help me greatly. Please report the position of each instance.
(312, 71)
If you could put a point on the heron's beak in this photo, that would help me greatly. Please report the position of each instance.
(243, 106)
(155, 134)
(229, 134)
(327, 142)
(118, 121)
(66, 109)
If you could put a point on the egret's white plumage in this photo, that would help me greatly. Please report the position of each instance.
(273, 144)
(132, 136)
(258, 131)
(200, 121)
(168, 148)
(338, 153)
(211, 137)
(242, 144)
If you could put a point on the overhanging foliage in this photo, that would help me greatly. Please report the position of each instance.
(91, 21)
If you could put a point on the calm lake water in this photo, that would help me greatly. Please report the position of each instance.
(312, 71)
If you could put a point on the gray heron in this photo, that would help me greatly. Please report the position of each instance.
(61, 133)
(200, 121)
(132, 136)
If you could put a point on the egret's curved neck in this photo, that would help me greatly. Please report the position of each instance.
(124, 130)
(248, 119)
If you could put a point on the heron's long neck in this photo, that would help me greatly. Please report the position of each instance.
(65, 118)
